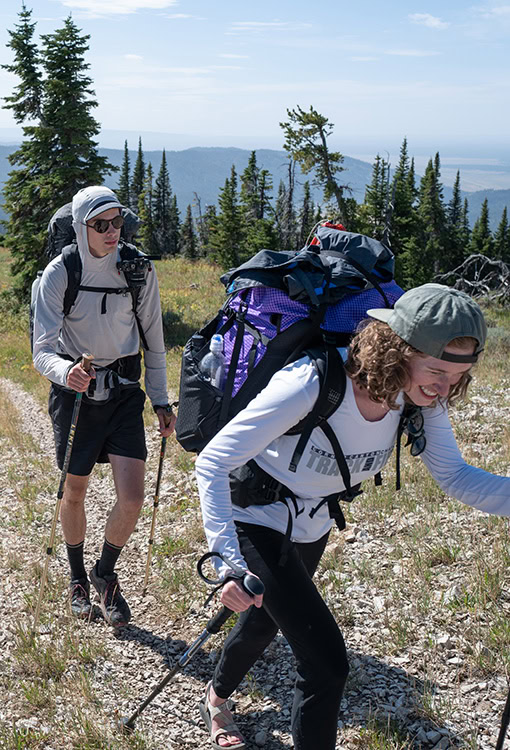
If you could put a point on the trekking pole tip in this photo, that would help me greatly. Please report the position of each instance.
(125, 725)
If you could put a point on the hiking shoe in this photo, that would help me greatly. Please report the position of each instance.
(114, 607)
(79, 594)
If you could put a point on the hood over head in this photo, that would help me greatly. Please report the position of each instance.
(88, 203)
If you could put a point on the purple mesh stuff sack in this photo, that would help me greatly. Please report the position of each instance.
(263, 305)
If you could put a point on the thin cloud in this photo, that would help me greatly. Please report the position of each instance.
(183, 16)
(257, 27)
(133, 57)
(497, 12)
(425, 19)
(364, 59)
(229, 56)
(99, 9)
(411, 52)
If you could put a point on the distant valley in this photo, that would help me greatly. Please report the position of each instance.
(201, 172)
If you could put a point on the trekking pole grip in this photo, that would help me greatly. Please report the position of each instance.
(252, 585)
(86, 361)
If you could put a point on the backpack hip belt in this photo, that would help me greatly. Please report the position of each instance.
(252, 485)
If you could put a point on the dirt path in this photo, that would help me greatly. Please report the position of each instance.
(427, 687)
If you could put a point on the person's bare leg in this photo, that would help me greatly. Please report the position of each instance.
(128, 475)
(72, 510)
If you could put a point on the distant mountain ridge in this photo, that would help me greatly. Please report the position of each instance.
(201, 172)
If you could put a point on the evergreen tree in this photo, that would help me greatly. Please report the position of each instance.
(502, 239)
(306, 134)
(174, 227)
(402, 221)
(423, 255)
(306, 216)
(249, 195)
(372, 213)
(26, 102)
(265, 187)
(163, 210)
(227, 237)
(481, 237)
(187, 240)
(138, 181)
(58, 155)
(124, 186)
(147, 233)
(455, 250)
(255, 202)
(285, 214)
(465, 229)
(205, 223)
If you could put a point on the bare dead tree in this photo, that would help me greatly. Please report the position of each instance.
(480, 276)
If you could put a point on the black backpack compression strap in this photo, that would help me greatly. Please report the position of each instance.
(368, 275)
(73, 265)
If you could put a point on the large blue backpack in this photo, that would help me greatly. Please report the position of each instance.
(280, 306)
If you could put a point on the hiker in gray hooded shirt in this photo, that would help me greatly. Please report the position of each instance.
(110, 427)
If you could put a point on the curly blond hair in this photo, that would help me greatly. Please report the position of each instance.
(378, 360)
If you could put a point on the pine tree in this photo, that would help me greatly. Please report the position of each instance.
(227, 238)
(373, 212)
(205, 222)
(455, 250)
(58, 155)
(163, 210)
(187, 240)
(147, 233)
(465, 229)
(255, 202)
(249, 195)
(285, 214)
(26, 102)
(481, 237)
(403, 218)
(502, 239)
(124, 186)
(306, 134)
(174, 227)
(306, 216)
(137, 183)
(423, 256)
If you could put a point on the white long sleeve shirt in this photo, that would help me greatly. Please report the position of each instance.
(107, 336)
(258, 432)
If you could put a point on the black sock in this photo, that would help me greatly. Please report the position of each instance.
(75, 557)
(109, 557)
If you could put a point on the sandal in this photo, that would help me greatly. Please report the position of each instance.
(208, 713)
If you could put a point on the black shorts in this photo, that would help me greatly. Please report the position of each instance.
(114, 427)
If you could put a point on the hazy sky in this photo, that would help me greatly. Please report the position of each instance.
(437, 72)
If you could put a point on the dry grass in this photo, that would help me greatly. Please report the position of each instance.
(437, 567)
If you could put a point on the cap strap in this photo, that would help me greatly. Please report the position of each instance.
(461, 358)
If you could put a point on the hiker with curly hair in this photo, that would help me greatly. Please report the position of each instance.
(417, 357)
(104, 321)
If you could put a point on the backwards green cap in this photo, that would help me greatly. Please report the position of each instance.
(430, 316)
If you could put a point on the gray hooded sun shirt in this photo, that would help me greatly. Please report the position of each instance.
(107, 336)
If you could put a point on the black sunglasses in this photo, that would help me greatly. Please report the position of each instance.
(415, 432)
(101, 225)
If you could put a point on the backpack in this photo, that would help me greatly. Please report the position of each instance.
(282, 305)
(133, 263)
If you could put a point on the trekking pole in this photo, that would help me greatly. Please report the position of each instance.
(85, 363)
(252, 585)
(505, 719)
(154, 509)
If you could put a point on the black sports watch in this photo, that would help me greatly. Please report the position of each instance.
(166, 407)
